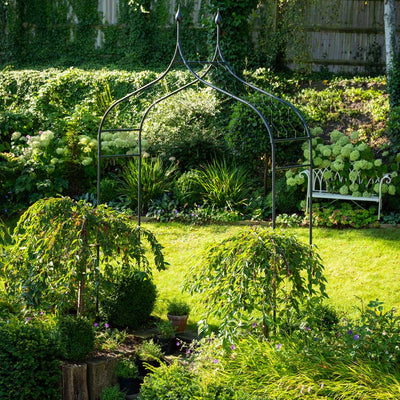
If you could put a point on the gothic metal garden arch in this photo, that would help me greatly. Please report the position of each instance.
(284, 123)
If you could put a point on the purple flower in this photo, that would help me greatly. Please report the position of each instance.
(216, 361)
(28, 319)
(41, 312)
(40, 132)
(349, 332)
(106, 325)
(356, 337)
(188, 351)
(254, 325)
(233, 347)
(178, 343)
(315, 339)
(96, 324)
(307, 328)
(278, 346)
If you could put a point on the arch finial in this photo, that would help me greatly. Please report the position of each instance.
(178, 15)
(218, 18)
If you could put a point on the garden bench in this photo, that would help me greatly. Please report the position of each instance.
(327, 188)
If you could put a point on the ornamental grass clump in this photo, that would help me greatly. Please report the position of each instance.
(350, 166)
(251, 279)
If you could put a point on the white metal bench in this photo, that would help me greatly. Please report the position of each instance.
(322, 188)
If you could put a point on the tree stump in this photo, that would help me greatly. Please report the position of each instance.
(74, 382)
(100, 374)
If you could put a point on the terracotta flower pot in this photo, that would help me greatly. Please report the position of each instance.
(178, 322)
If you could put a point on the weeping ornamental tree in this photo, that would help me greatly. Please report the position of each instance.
(53, 258)
(252, 278)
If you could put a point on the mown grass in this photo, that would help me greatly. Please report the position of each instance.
(359, 264)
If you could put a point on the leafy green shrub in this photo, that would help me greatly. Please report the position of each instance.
(126, 368)
(112, 393)
(75, 337)
(185, 127)
(156, 179)
(287, 198)
(249, 140)
(166, 380)
(187, 190)
(130, 301)
(29, 361)
(150, 351)
(178, 307)
(342, 216)
(252, 278)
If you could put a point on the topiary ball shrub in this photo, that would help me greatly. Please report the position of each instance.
(130, 301)
(29, 363)
(75, 337)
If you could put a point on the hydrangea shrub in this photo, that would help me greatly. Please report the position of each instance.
(350, 166)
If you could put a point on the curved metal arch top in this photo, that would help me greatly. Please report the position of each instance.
(273, 124)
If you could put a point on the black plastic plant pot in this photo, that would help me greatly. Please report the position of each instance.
(129, 385)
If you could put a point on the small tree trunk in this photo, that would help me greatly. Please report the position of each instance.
(81, 299)
(390, 34)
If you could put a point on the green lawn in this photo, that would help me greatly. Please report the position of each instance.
(359, 263)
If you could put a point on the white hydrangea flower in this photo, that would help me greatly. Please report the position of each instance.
(15, 136)
(346, 150)
(378, 162)
(327, 152)
(336, 149)
(385, 188)
(356, 194)
(325, 163)
(354, 155)
(299, 179)
(289, 173)
(354, 135)
(344, 140)
(291, 182)
(366, 194)
(317, 131)
(354, 187)
(344, 190)
(60, 151)
(337, 165)
(362, 146)
(353, 175)
(317, 161)
(376, 188)
(395, 174)
(392, 190)
(87, 161)
(328, 175)
(336, 136)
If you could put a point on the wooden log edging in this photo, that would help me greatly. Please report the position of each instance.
(85, 381)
